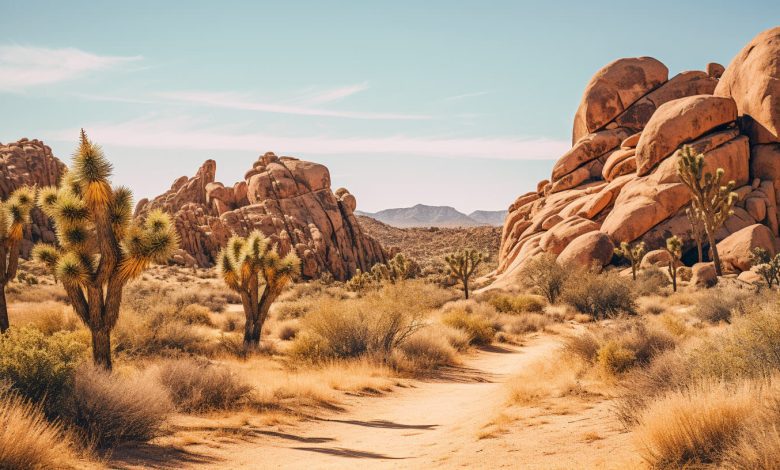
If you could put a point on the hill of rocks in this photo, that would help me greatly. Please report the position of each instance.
(619, 183)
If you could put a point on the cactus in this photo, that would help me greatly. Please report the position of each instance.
(632, 253)
(711, 200)
(101, 247)
(14, 214)
(674, 248)
(463, 265)
(247, 263)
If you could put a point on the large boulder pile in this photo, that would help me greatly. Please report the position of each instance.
(289, 200)
(30, 162)
(619, 180)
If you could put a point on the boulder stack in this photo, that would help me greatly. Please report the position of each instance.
(288, 199)
(619, 180)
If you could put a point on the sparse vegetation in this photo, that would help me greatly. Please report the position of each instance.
(633, 253)
(14, 214)
(674, 249)
(599, 295)
(767, 266)
(547, 276)
(463, 266)
(199, 386)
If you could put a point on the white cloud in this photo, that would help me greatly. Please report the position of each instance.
(187, 134)
(328, 96)
(466, 95)
(23, 67)
(244, 102)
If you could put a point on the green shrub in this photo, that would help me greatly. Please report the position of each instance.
(39, 367)
(600, 295)
(615, 358)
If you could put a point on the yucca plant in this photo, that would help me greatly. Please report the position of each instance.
(711, 200)
(674, 248)
(248, 263)
(14, 214)
(632, 253)
(463, 266)
(101, 247)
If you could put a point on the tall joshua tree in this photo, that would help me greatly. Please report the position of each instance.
(463, 265)
(674, 248)
(632, 253)
(245, 265)
(712, 200)
(697, 229)
(14, 214)
(101, 247)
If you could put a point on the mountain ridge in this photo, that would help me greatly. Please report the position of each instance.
(422, 215)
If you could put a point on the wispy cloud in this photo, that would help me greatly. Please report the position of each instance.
(188, 134)
(466, 95)
(247, 103)
(23, 67)
(315, 97)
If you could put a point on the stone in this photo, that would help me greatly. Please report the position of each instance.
(556, 239)
(656, 258)
(735, 250)
(614, 88)
(684, 273)
(703, 275)
(756, 207)
(614, 159)
(750, 277)
(680, 121)
(590, 147)
(631, 141)
(593, 249)
(715, 70)
(752, 79)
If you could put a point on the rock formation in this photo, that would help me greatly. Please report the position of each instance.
(289, 200)
(619, 180)
(30, 162)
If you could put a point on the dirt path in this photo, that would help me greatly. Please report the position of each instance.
(435, 424)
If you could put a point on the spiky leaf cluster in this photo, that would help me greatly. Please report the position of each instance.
(91, 217)
(633, 254)
(397, 269)
(15, 213)
(253, 259)
(464, 264)
(712, 200)
(766, 265)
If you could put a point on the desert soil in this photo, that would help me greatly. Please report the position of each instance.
(439, 423)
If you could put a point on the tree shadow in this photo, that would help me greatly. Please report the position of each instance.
(156, 457)
(349, 453)
(383, 424)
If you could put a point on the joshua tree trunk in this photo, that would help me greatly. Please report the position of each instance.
(714, 251)
(256, 313)
(466, 288)
(633, 270)
(673, 275)
(3, 310)
(101, 347)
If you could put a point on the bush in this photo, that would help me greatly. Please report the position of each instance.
(158, 334)
(544, 274)
(615, 358)
(292, 309)
(194, 314)
(600, 295)
(199, 386)
(473, 319)
(719, 304)
(111, 409)
(517, 304)
(650, 281)
(288, 330)
(425, 350)
(38, 367)
(28, 441)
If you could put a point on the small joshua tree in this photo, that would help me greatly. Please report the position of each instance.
(674, 248)
(633, 254)
(767, 266)
(101, 247)
(697, 229)
(463, 266)
(14, 214)
(245, 265)
(710, 199)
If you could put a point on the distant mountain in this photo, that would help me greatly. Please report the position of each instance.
(435, 216)
(489, 217)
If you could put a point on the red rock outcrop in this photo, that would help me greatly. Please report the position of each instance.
(619, 180)
(30, 162)
(289, 200)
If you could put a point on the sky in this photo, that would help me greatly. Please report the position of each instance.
(460, 103)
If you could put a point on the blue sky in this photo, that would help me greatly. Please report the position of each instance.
(462, 103)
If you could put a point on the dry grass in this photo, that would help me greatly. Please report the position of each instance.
(599, 295)
(48, 316)
(548, 378)
(474, 319)
(28, 441)
(425, 350)
(200, 386)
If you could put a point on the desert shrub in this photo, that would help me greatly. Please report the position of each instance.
(28, 440)
(194, 314)
(292, 309)
(600, 295)
(544, 274)
(49, 317)
(473, 319)
(653, 306)
(517, 304)
(288, 330)
(757, 447)
(719, 304)
(458, 339)
(526, 323)
(615, 358)
(584, 346)
(424, 350)
(232, 322)
(39, 367)
(158, 334)
(200, 386)
(650, 281)
(109, 409)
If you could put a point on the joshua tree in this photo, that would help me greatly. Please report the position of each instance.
(711, 201)
(767, 266)
(14, 214)
(101, 247)
(633, 254)
(463, 266)
(245, 264)
(697, 229)
(674, 248)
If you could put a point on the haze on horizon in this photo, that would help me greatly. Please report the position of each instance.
(465, 104)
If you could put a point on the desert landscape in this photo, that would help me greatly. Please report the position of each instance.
(624, 315)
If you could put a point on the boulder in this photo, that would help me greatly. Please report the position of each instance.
(614, 88)
(678, 122)
(631, 141)
(555, 240)
(593, 249)
(715, 70)
(588, 148)
(750, 277)
(684, 273)
(752, 79)
(735, 249)
(703, 275)
(656, 258)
